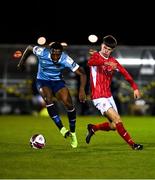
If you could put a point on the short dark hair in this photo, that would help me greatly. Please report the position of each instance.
(110, 41)
(56, 45)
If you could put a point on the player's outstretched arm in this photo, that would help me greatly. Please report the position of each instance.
(28, 51)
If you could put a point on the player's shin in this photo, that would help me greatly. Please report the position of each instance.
(72, 119)
(124, 134)
(54, 115)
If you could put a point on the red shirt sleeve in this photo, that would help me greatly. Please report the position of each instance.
(127, 76)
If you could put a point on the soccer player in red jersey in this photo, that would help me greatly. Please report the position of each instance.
(102, 67)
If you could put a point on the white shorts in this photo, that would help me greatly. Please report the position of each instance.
(103, 104)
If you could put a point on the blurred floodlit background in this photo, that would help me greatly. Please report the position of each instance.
(18, 88)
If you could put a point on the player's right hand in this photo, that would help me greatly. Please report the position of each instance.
(92, 51)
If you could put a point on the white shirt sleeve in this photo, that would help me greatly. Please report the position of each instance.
(37, 50)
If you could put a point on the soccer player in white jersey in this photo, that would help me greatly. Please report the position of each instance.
(50, 83)
(102, 68)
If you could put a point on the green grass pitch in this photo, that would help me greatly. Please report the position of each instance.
(106, 157)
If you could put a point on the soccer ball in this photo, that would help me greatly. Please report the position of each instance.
(37, 141)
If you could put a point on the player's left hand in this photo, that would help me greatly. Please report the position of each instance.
(21, 67)
(82, 96)
(137, 94)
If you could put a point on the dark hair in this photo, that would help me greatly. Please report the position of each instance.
(56, 45)
(110, 41)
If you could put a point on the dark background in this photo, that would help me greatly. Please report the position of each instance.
(131, 22)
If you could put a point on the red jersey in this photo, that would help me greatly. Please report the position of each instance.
(101, 75)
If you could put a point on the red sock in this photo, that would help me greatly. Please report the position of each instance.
(103, 126)
(124, 134)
